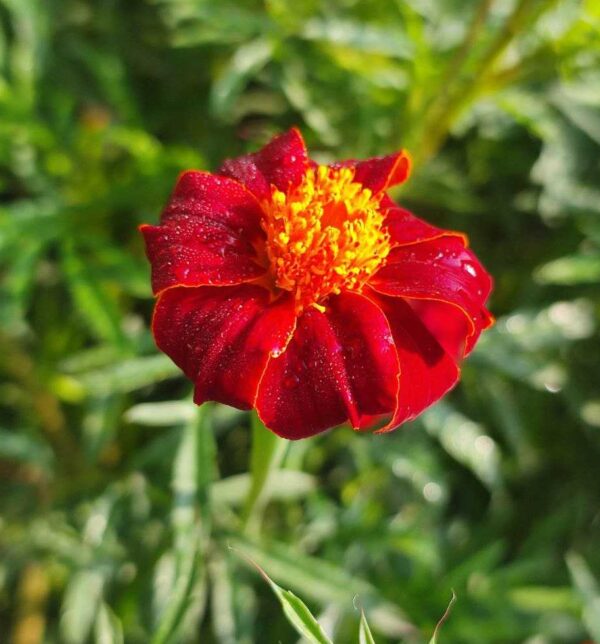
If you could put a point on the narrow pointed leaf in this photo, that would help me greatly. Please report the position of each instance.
(364, 632)
(296, 611)
(444, 617)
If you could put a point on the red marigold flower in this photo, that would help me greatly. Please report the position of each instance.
(305, 292)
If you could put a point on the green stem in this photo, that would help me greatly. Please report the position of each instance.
(455, 66)
(267, 452)
(453, 101)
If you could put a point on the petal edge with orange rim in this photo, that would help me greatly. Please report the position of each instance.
(379, 173)
(282, 162)
(441, 269)
(222, 337)
(339, 366)
(427, 372)
(406, 228)
(207, 234)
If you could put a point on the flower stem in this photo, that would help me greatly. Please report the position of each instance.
(266, 454)
(457, 95)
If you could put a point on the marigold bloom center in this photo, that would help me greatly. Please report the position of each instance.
(325, 235)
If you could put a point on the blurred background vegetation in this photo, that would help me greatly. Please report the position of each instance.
(115, 523)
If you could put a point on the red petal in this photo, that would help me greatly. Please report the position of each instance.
(340, 365)
(282, 162)
(405, 228)
(448, 325)
(221, 337)
(442, 270)
(206, 235)
(380, 173)
(426, 371)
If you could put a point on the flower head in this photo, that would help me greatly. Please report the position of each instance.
(324, 236)
(305, 292)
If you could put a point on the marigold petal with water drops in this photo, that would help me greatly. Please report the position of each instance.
(303, 291)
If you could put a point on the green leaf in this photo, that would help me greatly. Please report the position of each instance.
(108, 628)
(179, 599)
(444, 617)
(283, 485)
(322, 581)
(215, 23)
(370, 38)
(297, 90)
(364, 632)
(128, 375)
(300, 616)
(20, 447)
(539, 599)
(161, 414)
(589, 590)
(573, 269)
(245, 63)
(100, 423)
(223, 604)
(80, 605)
(295, 610)
(18, 284)
(20, 219)
(96, 306)
(466, 441)
(193, 470)
(267, 451)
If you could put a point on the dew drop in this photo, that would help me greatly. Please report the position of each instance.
(470, 269)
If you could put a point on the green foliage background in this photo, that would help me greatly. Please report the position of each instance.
(120, 502)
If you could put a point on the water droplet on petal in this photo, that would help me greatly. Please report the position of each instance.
(470, 269)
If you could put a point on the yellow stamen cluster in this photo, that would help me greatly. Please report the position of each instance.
(325, 235)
